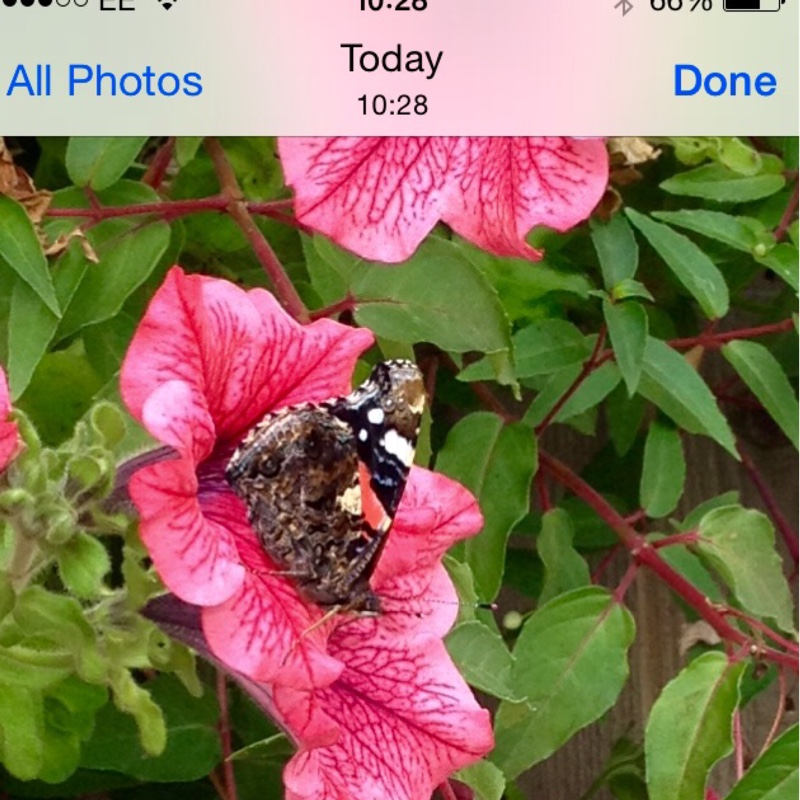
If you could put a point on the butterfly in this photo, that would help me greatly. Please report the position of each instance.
(322, 483)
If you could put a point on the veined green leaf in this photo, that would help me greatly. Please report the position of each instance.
(664, 470)
(716, 225)
(99, 161)
(774, 776)
(689, 729)
(693, 268)
(556, 668)
(670, 382)
(20, 248)
(616, 249)
(717, 182)
(739, 544)
(496, 462)
(765, 377)
(627, 329)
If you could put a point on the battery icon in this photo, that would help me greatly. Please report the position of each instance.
(752, 5)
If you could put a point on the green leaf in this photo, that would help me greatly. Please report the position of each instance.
(437, 296)
(330, 268)
(128, 248)
(59, 394)
(186, 148)
(69, 714)
(716, 225)
(627, 329)
(22, 726)
(629, 289)
(83, 563)
(739, 544)
(717, 182)
(277, 747)
(616, 249)
(99, 161)
(765, 377)
(688, 564)
(592, 391)
(571, 663)
(523, 287)
(693, 268)
(564, 568)
(545, 346)
(729, 150)
(689, 729)
(624, 416)
(484, 779)
(20, 247)
(58, 619)
(670, 382)
(783, 261)
(774, 776)
(496, 462)
(31, 328)
(481, 656)
(664, 470)
(192, 740)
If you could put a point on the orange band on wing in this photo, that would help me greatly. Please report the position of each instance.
(374, 513)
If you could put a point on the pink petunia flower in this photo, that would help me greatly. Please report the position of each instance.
(375, 705)
(207, 361)
(380, 196)
(9, 432)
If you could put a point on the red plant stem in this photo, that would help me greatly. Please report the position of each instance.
(788, 215)
(677, 538)
(543, 492)
(738, 742)
(648, 556)
(636, 517)
(757, 625)
(776, 723)
(713, 341)
(173, 209)
(225, 736)
(447, 791)
(603, 565)
(787, 532)
(345, 304)
(237, 209)
(587, 369)
(627, 580)
(156, 172)
(481, 391)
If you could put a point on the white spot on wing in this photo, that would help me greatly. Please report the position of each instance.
(399, 447)
(375, 416)
(363, 435)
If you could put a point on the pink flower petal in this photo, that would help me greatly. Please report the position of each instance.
(415, 602)
(177, 415)
(380, 197)
(9, 433)
(434, 514)
(510, 185)
(238, 353)
(377, 196)
(191, 546)
(407, 720)
(264, 631)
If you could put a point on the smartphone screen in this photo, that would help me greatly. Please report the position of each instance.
(398, 399)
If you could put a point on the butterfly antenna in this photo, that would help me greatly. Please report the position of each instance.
(332, 612)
